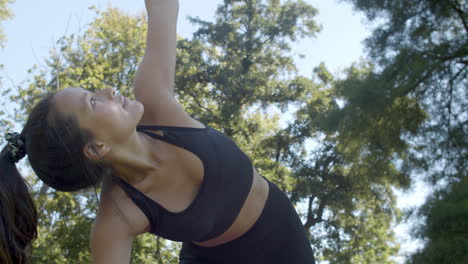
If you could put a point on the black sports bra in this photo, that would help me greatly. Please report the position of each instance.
(228, 177)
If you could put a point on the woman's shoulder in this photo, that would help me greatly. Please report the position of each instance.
(164, 110)
(182, 119)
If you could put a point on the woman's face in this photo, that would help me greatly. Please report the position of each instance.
(110, 117)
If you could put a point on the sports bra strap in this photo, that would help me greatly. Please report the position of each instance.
(169, 128)
(155, 135)
(136, 196)
(170, 135)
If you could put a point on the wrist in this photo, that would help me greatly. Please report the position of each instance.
(153, 4)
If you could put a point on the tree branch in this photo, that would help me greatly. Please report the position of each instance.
(460, 14)
(198, 103)
(311, 220)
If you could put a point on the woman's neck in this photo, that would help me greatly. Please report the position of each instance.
(136, 159)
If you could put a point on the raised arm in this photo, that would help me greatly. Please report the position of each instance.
(154, 80)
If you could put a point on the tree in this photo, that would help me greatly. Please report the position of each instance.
(421, 50)
(445, 229)
(420, 53)
(346, 180)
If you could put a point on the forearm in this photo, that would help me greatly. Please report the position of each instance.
(162, 24)
(167, 5)
(157, 70)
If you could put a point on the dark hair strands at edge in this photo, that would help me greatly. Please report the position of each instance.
(54, 145)
(18, 214)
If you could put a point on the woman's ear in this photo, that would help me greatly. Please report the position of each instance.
(96, 150)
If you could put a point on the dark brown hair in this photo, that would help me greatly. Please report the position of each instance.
(54, 145)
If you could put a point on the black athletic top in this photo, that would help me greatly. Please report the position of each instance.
(226, 183)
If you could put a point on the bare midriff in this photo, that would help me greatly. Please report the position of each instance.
(248, 215)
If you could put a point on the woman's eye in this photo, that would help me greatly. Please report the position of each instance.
(92, 101)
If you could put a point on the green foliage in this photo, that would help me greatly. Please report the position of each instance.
(365, 237)
(244, 54)
(65, 225)
(446, 228)
(347, 179)
(5, 14)
(420, 49)
(148, 249)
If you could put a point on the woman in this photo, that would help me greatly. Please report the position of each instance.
(181, 179)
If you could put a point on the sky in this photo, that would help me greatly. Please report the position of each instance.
(37, 25)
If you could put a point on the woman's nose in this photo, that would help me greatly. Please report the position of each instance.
(108, 92)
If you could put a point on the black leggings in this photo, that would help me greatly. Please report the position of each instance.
(278, 237)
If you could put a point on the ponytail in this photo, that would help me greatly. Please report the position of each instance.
(18, 214)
